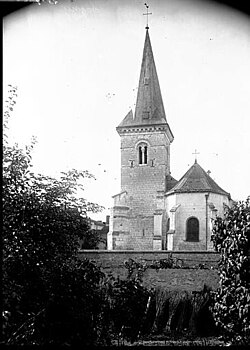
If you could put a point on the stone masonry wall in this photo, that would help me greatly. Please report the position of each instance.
(191, 205)
(194, 205)
(133, 227)
(142, 181)
(189, 277)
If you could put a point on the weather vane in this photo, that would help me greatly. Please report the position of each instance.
(195, 152)
(147, 14)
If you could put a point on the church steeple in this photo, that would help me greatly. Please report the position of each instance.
(149, 105)
(149, 108)
(145, 165)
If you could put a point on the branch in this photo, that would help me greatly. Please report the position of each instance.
(23, 325)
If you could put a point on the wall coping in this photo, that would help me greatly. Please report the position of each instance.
(99, 251)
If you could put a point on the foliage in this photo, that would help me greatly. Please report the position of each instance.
(128, 307)
(43, 220)
(136, 269)
(232, 300)
(70, 311)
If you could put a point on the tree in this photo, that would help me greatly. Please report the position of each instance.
(43, 220)
(232, 300)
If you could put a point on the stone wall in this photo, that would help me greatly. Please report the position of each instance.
(190, 277)
(142, 181)
(194, 205)
(132, 216)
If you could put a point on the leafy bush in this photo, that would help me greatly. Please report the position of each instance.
(128, 307)
(70, 313)
(43, 220)
(232, 300)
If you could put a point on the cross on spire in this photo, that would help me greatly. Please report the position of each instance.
(147, 14)
(195, 152)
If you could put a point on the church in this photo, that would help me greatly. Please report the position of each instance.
(154, 211)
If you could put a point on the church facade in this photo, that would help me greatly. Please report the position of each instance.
(153, 211)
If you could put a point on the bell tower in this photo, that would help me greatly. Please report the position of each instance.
(136, 220)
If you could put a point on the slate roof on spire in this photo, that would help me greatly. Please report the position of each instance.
(196, 179)
(149, 108)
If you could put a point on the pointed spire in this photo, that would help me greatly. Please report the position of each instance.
(149, 105)
(149, 108)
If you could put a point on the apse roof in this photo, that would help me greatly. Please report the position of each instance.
(196, 179)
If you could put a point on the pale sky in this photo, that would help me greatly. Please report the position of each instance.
(77, 65)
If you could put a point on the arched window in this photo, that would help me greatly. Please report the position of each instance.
(143, 154)
(140, 154)
(192, 230)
